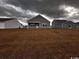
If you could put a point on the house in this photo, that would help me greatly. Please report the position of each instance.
(77, 25)
(69, 25)
(38, 22)
(9, 23)
(58, 23)
(63, 24)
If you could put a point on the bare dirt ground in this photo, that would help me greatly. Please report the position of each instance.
(39, 43)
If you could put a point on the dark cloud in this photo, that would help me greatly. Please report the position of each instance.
(72, 3)
(7, 12)
(48, 7)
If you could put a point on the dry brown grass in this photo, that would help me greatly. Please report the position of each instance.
(39, 43)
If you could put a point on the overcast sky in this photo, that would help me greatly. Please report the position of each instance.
(68, 9)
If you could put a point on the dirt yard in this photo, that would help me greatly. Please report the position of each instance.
(39, 43)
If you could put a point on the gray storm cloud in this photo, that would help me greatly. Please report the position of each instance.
(49, 8)
(20, 7)
(8, 9)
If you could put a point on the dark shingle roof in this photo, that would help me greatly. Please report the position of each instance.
(77, 23)
(63, 21)
(60, 21)
(5, 19)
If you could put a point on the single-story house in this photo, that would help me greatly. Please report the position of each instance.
(9, 23)
(38, 22)
(77, 25)
(63, 24)
(69, 25)
(58, 23)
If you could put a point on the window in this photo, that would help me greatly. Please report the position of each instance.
(44, 24)
(34, 24)
(69, 26)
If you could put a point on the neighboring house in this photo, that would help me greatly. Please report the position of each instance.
(58, 23)
(77, 25)
(69, 25)
(9, 23)
(63, 24)
(38, 22)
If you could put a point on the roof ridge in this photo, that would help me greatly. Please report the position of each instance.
(39, 16)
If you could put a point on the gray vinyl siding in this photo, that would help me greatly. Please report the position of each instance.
(63, 24)
(69, 25)
(2, 25)
(12, 24)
